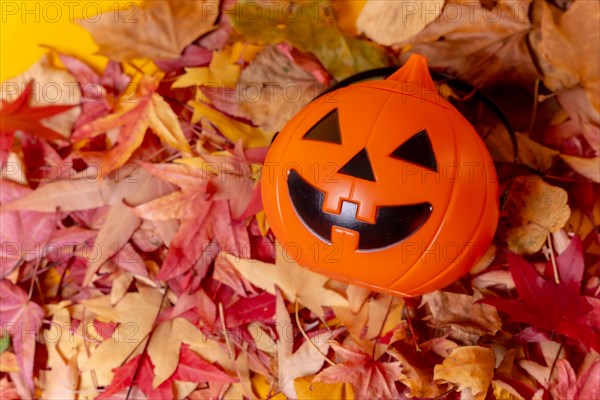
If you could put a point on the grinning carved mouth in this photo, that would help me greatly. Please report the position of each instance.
(392, 225)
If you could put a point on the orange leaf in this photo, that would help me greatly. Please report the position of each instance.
(149, 110)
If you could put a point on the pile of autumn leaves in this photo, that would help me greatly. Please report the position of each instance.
(137, 262)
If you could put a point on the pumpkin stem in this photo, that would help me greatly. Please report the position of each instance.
(415, 71)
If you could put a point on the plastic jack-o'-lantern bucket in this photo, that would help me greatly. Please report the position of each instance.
(383, 184)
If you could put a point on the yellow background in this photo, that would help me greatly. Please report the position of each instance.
(27, 24)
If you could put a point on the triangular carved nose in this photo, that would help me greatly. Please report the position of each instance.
(359, 166)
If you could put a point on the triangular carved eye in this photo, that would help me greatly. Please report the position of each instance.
(417, 150)
(359, 166)
(326, 130)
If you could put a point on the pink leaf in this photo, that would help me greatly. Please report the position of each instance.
(22, 319)
(24, 234)
(192, 368)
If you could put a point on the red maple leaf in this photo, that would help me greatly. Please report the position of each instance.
(22, 319)
(20, 116)
(199, 240)
(547, 305)
(251, 309)
(370, 378)
(205, 206)
(191, 368)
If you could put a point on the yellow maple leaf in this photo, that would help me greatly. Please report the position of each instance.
(223, 71)
(135, 314)
(232, 129)
(263, 388)
(165, 124)
(296, 283)
(244, 51)
(469, 368)
(165, 346)
(307, 390)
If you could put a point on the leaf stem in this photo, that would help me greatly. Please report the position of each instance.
(387, 312)
(412, 331)
(555, 360)
(553, 259)
(307, 338)
(230, 349)
(138, 69)
(139, 364)
(445, 394)
(536, 91)
(33, 279)
(86, 345)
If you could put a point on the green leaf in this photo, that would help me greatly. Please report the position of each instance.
(4, 343)
(309, 26)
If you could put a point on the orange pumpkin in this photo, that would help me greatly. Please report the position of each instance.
(383, 184)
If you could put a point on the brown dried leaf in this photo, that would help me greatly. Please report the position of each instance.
(534, 210)
(478, 44)
(568, 51)
(569, 48)
(281, 87)
(419, 380)
(531, 153)
(460, 316)
(497, 278)
(160, 29)
(390, 23)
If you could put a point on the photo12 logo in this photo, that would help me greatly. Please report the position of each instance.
(66, 11)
